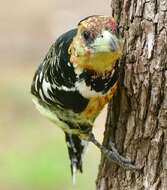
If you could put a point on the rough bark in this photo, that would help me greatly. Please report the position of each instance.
(137, 115)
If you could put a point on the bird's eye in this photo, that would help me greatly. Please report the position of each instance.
(86, 35)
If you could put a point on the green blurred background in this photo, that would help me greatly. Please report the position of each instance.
(33, 155)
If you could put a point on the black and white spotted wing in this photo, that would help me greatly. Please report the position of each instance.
(54, 81)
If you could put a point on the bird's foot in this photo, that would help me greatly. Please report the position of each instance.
(114, 156)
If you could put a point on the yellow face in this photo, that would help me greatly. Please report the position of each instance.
(96, 45)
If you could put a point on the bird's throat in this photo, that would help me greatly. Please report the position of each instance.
(99, 62)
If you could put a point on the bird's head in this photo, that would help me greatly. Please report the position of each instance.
(96, 45)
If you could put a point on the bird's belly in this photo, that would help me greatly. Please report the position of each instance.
(48, 113)
(62, 118)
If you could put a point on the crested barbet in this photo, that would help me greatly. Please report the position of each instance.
(78, 76)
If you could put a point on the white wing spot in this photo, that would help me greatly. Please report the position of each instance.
(85, 90)
(46, 86)
(36, 82)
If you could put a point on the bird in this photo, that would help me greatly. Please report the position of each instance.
(77, 78)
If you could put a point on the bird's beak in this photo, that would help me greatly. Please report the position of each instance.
(114, 43)
(107, 42)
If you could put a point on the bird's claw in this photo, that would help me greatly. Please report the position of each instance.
(115, 157)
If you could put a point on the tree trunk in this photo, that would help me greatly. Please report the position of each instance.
(137, 115)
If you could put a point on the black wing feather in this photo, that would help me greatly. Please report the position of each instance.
(57, 70)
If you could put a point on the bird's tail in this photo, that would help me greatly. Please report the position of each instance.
(76, 148)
